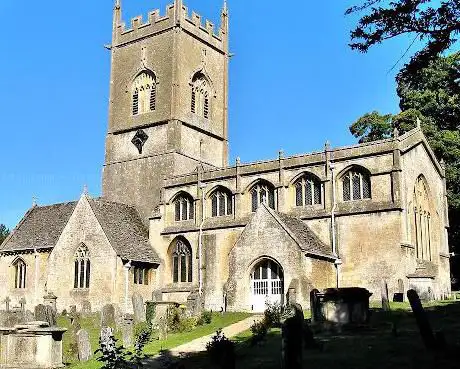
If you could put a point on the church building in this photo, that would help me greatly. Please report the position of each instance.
(176, 220)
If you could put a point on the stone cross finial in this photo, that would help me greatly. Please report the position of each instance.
(224, 7)
(85, 189)
(117, 4)
(238, 160)
(281, 154)
(34, 201)
(419, 122)
(327, 145)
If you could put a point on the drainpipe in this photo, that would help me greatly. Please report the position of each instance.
(337, 262)
(127, 266)
(202, 186)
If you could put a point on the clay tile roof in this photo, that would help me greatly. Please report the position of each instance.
(40, 228)
(125, 230)
(308, 241)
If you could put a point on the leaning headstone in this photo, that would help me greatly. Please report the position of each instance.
(128, 331)
(138, 308)
(45, 313)
(22, 304)
(385, 300)
(108, 316)
(84, 345)
(292, 339)
(86, 308)
(423, 324)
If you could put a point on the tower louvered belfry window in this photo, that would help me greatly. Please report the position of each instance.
(200, 96)
(82, 271)
(308, 191)
(356, 185)
(144, 93)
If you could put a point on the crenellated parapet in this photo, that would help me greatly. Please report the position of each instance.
(176, 16)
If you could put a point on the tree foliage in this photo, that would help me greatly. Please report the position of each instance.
(4, 232)
(432, 94)
(435, 23)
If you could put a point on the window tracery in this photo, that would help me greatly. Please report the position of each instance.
(144, 93)
(308, 191)
(182, 262)
(82, 267)
(356, 185)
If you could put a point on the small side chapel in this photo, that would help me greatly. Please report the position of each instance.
(176, 220)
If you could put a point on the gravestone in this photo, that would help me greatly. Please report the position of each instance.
(108, 316)
(128, 331)
(84, 345)
(291, 296)
(107, 340)
(86, 308)
(292, 339)
(162, 328)
(384, 292)
(22, 304)
(399, 296)
(138, 308)
(315, 307)
(50, 300)
(423, 324)
(45, 313)
(7, 303)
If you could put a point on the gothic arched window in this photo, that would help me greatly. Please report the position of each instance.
(201, 93)
(221, 203)
(182, 262)
(144, 93)
(19, 274)
(184, 208)
(262, 192)
(82, 271)
(422, 220)
(356, 185)
(308, 191)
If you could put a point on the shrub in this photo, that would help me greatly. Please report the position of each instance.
(220, 349)
(150, 311)
(64, 312)
(273, 314)
(187, 324)
(174, 318)
(205, 318)
(259, 331)
(142, 329)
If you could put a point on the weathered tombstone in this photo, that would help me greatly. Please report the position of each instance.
(138, 308)
(315, 307)
(7, 303)
(107, 340)
(108, 316)
(86, 308)
(385, 300)
(45, 313)
(291, 296)
(292, 339)
(422, 321)
(128, 331)
(399, 296)
(22, 304)
(84, 345)
(50, 300)
(162, 328)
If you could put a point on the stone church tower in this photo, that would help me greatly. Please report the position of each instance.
(168, 103)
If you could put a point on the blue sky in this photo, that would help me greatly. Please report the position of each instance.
(294, 83)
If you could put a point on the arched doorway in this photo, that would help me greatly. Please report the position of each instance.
(267, 284)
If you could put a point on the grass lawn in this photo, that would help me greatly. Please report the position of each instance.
(374, 346)
(92, 325)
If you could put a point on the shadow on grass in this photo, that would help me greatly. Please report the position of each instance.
(390, 340)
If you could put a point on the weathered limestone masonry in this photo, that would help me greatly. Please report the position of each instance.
(176, 223)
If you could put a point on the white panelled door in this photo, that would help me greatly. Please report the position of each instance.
(266, 284)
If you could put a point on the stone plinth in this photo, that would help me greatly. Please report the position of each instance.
(31, 345)
(342, 306)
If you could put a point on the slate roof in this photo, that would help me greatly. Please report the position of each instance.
(40, 228)
(307, 240)
(125, 230)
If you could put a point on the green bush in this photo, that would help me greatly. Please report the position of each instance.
(273, 314)
(150, 311)
(187, 324)
(174, 319)
(142, 329)
(205, 318)
(259, 331)
(221, 350)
